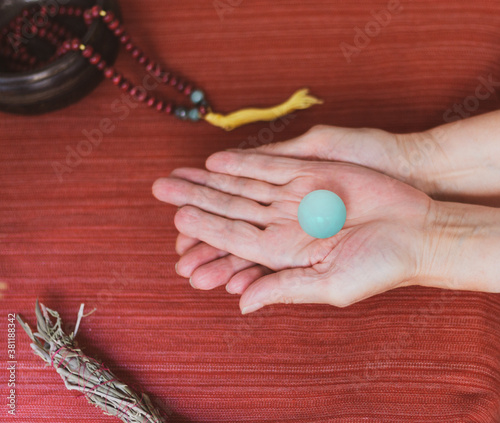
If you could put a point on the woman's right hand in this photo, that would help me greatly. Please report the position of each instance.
(445, 162)
(402, 157)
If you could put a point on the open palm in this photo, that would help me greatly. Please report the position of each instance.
(245, 206)
(208, 267)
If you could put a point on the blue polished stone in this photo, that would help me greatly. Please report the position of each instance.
(322, 214)
(197, 96)
(181, 113)
(194, 115)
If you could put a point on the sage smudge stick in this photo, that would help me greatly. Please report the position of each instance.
(84, 374)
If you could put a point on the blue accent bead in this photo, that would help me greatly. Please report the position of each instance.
(194, 115)
(181, 113)
(197, 96)
(322, 214)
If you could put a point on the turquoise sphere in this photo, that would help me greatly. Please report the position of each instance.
(322, 214)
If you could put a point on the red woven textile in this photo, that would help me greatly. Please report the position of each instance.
(99, 236)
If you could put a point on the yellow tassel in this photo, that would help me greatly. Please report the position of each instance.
(299, 100)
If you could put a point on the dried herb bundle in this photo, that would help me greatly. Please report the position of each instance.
(84, 374)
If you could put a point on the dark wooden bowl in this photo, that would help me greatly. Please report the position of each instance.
(65, 80)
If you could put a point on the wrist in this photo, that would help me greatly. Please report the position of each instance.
(461, 247)
(466, 160)
(419, 160)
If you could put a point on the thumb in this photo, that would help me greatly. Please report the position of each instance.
(290, 286)
(314, 144)
(296, 147)
(303, 146)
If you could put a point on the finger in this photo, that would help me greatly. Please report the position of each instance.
(298, 285)
(184, 243)
(197, 256)
(236, 237)
(242, 280)
(272, 169)
(303, 146)
(180, 192)
(218, 272)
(262, 192)
(321, 142)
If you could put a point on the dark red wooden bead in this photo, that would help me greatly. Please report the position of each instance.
(109, 73)
(117, 79)
(125, 38)
(136, 53)
(165, 78)
(188, 90)
(78, 11)
(181, 85)
(87, 15)
(133, 91)
(42, 32)
(101, 65)
(169, 108)
(75, 43)
(113, 25)
(88, 52)
(109, 17)
(174, 81)
(129, 46)
(95, 59)
(70, 11)
(141, 95)
(125, 85)
(96, 10)
(160, 106)
(62, 10)
(156, 71)
(119, 31)
(33, 29)
(203, 110)
(151, 102)
(142, 60)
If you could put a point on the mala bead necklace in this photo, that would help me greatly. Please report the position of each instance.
(63, 41)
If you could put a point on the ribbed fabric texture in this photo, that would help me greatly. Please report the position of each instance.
(99, 236)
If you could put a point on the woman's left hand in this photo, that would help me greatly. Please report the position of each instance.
(246, 205)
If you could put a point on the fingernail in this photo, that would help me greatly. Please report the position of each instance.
(176, 267)
(228, 289)
(251, 308)
(191, 282)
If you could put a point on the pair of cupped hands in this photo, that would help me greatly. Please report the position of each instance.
(238, 220)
